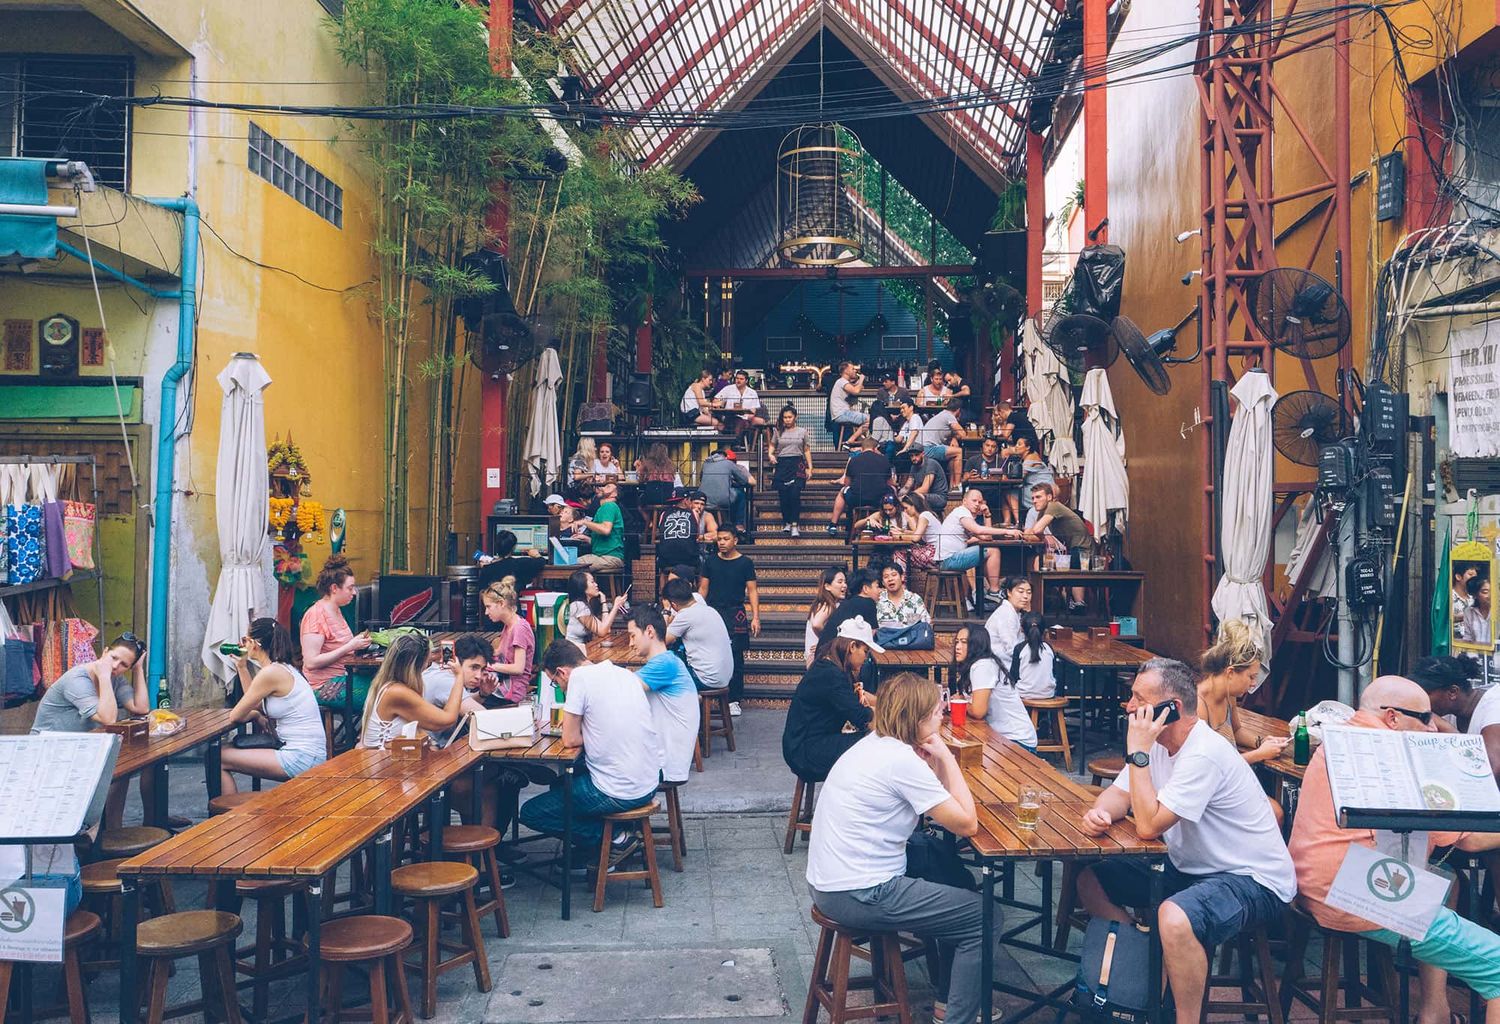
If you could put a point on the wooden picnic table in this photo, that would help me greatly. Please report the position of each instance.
(1003, 769)
(1093, 662)
(151, 753)
(304, 828)
(1287, 773)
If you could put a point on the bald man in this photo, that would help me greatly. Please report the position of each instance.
(1452, 944)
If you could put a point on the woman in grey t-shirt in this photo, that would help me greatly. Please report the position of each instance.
(791, 454)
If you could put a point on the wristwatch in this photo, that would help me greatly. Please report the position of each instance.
(1140, 758)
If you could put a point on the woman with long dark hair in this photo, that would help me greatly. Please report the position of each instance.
(977, 674)
(1032, 661)
(587, 619)
(791, 455)
(833, 587)
(828, 696)
(279, 699)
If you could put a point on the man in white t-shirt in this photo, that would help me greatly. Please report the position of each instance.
(843, 400)
(1228, 868)
(705, 639)
(669, 690)
(740, 399)
(606, 714)
(952, 548)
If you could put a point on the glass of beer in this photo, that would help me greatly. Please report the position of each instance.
(1028, 807)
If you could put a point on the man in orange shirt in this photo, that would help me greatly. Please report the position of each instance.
(1318, 845)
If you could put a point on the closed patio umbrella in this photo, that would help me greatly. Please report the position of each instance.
(1106, 487)
(1245, 512)
(1049, 390)
(543, 442)
(242, 487)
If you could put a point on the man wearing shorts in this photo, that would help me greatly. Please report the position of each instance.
(952, 547)
(1227, 867)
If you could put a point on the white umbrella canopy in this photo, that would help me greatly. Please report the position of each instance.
(1049, 390)
(1245, 513)
(242, 486)
(543, 442)
(1106, 487)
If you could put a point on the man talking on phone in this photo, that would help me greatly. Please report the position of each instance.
(1227, 869)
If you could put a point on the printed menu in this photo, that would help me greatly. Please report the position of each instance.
(1409, 771)
(54, 784)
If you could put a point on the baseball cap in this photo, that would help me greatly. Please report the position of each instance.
(858, 629)
(554, 499)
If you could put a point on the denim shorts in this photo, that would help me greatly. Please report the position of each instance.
(295, 762)
(936, 451)
(968, 558)
(851, 418)
(1218, 906)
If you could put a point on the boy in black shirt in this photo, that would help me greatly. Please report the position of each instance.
(728, 584)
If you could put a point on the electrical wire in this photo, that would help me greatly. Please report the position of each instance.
(109, 348)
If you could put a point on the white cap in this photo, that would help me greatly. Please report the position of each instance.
(858, 629)
(555, 499)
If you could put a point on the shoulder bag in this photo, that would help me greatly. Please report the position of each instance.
(1114, 978)
(502, 728)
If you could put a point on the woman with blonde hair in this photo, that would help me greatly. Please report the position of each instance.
(868, 810)
(1230, 670)
(580, 480)
(515, 650)
(396, 699)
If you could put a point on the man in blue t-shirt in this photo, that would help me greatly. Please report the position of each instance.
(669, 691)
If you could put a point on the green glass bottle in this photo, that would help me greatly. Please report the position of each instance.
(1301, 742)
(231, 650)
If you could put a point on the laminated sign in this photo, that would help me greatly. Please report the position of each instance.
(31, 924)
(1388, 891)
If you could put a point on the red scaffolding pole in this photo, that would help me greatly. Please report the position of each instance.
(492, 390)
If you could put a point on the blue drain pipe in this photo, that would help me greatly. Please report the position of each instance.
(166, 445)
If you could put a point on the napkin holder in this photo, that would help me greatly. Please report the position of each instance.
(968, 753)
(130, 729)
(409, 749)
(1060, 633)
(1100, 633)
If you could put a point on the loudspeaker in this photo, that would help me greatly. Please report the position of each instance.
(1003, 254)
(639, 400)
(490, 266)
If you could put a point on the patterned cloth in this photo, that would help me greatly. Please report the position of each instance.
(905, 612)
(25, 544)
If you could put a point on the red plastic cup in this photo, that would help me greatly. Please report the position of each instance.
(1114, 629)
(958, 711)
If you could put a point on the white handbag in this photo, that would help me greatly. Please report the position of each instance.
(502, 728)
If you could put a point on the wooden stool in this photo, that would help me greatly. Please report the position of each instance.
(130, 842)
(78, 929)
(950, 585)
(208, 934)
(800, 818)
(103, 891)
(674, 837)
(1322, 993)
(1059, 743)
(698, 746)
(1259, 993)
(856, 513)
(431, 883)
(477, 845)
(228, 802)
(715, 719)
(272, 955)
(377, 942)
(641, 817)
(830, 984)
(1105, 769)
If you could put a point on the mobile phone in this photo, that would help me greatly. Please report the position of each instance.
(1171, 707)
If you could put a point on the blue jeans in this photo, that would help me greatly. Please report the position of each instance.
(545, 813)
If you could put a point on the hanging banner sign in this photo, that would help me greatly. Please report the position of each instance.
(1474, 391)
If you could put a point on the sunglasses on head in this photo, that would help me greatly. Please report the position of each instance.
(1425, 717)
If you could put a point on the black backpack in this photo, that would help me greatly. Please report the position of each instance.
(1114, 977)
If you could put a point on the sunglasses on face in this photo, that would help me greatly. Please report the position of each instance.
(1425, 717)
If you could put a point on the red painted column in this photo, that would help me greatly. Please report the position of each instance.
(492, 392)
(1095, 117)
(597, 376)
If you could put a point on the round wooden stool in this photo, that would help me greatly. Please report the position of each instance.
(715, 719)
(477, 845)
(1105, 769)
(102, 893)
(800, 819)
(377, 942)
(1255, 979)
(638, 817)
(229, 801)
(80, 927)
(273, 955)
(674, 838)
(431, 884)
(207, 934)
(1377, 986)
(1058, 743)
(130, 842)
(830, 984)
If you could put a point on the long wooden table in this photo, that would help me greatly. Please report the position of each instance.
(1004, 768)
(1093, 663)
(304, 828)
(151, 753)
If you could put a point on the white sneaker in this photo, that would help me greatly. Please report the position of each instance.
(789, 529)
(796, 532)
(734, 709)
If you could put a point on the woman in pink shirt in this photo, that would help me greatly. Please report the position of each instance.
(515, 651)
(327, 640)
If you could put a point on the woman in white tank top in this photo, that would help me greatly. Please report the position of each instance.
(396, 699)
(279, 699)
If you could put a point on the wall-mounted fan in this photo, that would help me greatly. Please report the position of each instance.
(1300, 312)
(1143, 357)
(1081, 340)
(1303, 423)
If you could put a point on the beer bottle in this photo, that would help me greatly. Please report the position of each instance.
(164, 697)
(1301, 742)
(231, 650)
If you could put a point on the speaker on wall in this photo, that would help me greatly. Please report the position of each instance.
(1003, 254)
(639, 400)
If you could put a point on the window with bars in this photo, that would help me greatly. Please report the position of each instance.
(784, 343)
(276, 163)
(43, 115)
(898, 343)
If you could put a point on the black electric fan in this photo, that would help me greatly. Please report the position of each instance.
(1081, 340)
(1303, 423)
(1300, 312)
(1144, 359)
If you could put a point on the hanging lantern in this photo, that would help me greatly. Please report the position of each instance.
(818, 223)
